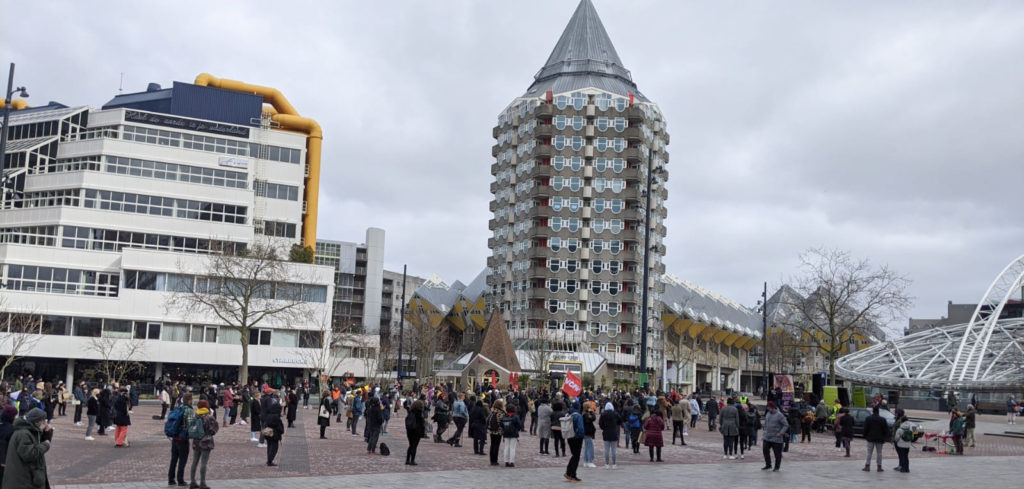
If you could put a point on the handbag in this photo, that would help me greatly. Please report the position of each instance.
(642, 437)
(76, 403)
(324, 412)
(267, 432)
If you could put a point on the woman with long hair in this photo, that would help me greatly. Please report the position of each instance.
(415, 428)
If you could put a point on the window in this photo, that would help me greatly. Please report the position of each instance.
(279, 229)
(175, 172)
(163, 206)
(147, 331)
(286, 338)
(175, 332)
(259, 336)
(111, 240)
(276, 191)
(30, 278)
(89, 327)
(117, 328)
(56, 325)
(312, 339)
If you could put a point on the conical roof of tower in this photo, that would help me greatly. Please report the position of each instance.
(584, 57)
(497, 345)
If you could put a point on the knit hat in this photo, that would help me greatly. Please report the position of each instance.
(771, 405)
(35, 415)
(609, 407)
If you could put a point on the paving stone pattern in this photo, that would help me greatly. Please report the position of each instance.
(74, 461)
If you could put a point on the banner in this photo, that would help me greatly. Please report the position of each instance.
(572, 386)
(785, 384)
(860, 398)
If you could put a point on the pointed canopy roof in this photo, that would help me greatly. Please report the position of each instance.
(497, 345)
(584, 57)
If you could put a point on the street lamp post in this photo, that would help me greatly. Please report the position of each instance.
(401, 327)
(647, 250)
(7, 110)
(764, 339)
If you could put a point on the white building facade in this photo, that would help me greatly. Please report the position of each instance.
(102, 211)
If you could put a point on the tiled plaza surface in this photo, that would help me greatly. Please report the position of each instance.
(74, 461)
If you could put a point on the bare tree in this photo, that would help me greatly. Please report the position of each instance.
(19, 335)
(541, 350)
(324, 353)
(785, 350)
(843, 299)
(119, 357)
(425, 341)
(242, 290)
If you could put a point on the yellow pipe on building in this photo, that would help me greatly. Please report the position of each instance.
(285, 114)
(16, 104)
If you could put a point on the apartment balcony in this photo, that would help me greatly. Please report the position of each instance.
(626, 359)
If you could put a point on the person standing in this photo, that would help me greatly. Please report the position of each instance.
(876, 432)
(6, 430)
(179, 440)
(969, 424)
(609, 424)
(478, 426)
(956, 428)
(79, 398)
(25, 465)
(415, 428)
(544, 425)
(589, 432)
(903, 441)
(652, 434)
(323, 417)
(576, 446)
(228, 403)
(1011, 411)
(63, 397)
(293, 405)
(635, 426)
(165, 402)
(694, 410)
(845, 421)
(679, 420)
(92, 411)
(273, 428)
(356, 410)
(374, 421)
(440, 417)
(511, 424)
(459, 415)
(775, 428)
(106, 407)
(494, 428)
(122, 417)
(202, 446)
(729, 421)
(712, 410)
(255, 426)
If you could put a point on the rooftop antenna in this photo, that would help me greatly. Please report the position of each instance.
(120, 86)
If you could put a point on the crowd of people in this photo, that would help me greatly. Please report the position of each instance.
(571, 424)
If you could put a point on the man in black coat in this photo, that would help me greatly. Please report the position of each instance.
(876, 433)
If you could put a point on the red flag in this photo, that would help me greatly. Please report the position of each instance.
(572, 386)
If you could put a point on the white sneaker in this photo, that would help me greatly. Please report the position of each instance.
(261, 445)
(614, 466)
(242, 422)
(732, 457)
(78, 423)
(606, 466)
(725, 457)
(89, 438)
(741, 456)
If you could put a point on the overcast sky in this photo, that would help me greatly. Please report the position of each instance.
(894, 130)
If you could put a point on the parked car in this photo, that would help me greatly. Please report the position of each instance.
(860, 414)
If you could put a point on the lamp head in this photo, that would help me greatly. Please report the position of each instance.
(22, 92)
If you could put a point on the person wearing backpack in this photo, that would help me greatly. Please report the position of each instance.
(906, 433)
(576, 436)
(635, 426)
(176, 430)
(201, 431)
(511, 425)
(557, 413)
(494, 428)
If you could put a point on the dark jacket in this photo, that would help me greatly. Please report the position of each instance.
(325, 403)
(254, 416)
(270, 415)
(609, 423)
(846, 425)
(876, 430)
(478, 422)
(92, 407)
(374, 418)
(121, 408)
(653, 427)
(6, 430)
(415, 425)
(26, 458)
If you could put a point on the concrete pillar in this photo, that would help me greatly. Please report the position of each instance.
(69, 374)
(158, 370)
